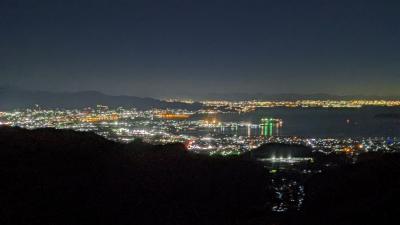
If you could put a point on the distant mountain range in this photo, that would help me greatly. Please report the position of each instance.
(14, 98)
(292, 96)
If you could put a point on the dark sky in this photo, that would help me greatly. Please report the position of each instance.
(190, 48)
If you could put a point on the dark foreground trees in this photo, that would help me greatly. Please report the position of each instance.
(65, 177)
(367, 192)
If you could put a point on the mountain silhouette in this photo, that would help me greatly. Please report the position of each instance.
(14, 98)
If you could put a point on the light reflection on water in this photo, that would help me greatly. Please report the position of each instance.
(318, 122)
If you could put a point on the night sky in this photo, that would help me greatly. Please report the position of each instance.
(190, 48)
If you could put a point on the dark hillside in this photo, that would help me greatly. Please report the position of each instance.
(367, 192)
(65, 177)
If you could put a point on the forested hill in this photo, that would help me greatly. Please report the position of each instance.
(65, 177)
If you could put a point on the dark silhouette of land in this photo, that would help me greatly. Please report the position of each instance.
(14, 98)
(367, 192)
(64, 177)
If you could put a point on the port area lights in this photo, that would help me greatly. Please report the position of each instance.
(288, 159)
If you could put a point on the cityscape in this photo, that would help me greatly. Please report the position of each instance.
(246, 106)
(203, 133)
(199, 130)
(223, 112)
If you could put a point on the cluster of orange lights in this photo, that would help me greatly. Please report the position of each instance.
(350, 150)
(211, 121)
(171, 116)
(92, 119)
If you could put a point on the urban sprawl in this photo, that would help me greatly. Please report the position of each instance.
(199, 130)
